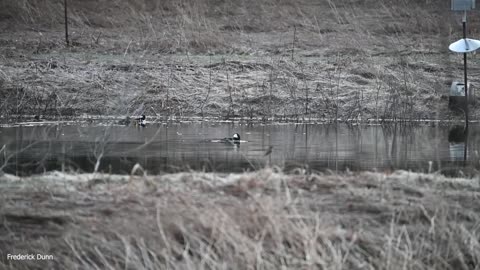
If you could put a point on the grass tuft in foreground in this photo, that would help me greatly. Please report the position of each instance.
(260, 220)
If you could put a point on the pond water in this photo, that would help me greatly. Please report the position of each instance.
(160, 148)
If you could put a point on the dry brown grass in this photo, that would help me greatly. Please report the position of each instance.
(355, 59)
(260, 220)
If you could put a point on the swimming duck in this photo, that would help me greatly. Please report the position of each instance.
(235, 139)
(141, 120)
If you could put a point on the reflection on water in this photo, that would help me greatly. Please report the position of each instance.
(166, 148)
(457, 138)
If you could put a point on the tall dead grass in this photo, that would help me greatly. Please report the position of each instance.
(321, 56)
(260, 220)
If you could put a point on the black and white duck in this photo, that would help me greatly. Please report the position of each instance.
(235, 139)
(142, 120)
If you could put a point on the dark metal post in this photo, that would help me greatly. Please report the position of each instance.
(465, 150)
(293, 43)
(66, 22)
(464, 22)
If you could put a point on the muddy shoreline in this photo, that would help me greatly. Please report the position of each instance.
(19, 120)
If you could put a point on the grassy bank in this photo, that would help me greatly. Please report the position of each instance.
(260, 220)
(268, 59)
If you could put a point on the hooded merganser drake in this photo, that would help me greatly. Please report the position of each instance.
(235, 139)
(141, 120)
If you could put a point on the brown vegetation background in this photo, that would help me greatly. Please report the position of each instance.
(268, 59)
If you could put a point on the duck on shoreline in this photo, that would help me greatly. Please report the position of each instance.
(141, 120)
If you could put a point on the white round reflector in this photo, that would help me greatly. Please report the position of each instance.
(464, 45)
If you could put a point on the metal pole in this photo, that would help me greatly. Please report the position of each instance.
(66, 23)
(464, 23)
(465, 149)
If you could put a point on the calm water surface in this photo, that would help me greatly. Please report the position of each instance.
(162, 148)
